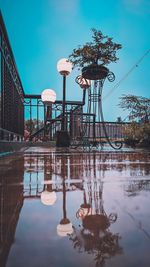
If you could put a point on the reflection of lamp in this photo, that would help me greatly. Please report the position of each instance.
(65, 227)
(85, 208)
(48, 198)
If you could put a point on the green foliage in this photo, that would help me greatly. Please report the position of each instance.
(139, 109)
(138, 106)
(102, 50)
(138, 133)
(133, 131)
(32, 125)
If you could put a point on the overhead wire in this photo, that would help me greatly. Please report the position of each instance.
(126, 75)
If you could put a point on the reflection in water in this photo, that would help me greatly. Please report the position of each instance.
(94, 236)
(134, 187)
(78, 166)
(64, 228)
(48, 195)
(88, 183)
(11, 201)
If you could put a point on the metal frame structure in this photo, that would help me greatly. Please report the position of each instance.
(97, 74)
(52, 115)
(82, 127)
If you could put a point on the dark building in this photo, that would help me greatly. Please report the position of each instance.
(11, 90)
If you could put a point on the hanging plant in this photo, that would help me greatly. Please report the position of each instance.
(93, 57)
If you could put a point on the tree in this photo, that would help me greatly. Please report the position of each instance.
(138, 107)
(33, 125)
(102, 50)
(137, 133)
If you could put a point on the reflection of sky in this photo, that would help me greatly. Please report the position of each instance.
(36, 242)
(42, 32)
(36, 232)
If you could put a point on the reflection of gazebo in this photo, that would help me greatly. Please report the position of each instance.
(94, 236)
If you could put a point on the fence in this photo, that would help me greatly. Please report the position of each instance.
(6, 135)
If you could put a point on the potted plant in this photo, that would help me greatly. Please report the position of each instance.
(93, 57)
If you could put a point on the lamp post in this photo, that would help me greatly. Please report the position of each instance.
(48, 97)
(64, 67)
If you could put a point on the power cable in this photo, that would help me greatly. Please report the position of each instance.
(126, 75)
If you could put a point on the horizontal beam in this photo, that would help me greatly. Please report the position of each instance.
(80, 103)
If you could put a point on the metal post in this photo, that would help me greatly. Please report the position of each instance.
(94, 130)
(44, 121)
(63, 104)
(30, 116)
(64, 200)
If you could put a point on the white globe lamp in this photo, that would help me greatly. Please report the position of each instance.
(48, 96)
(64, 66)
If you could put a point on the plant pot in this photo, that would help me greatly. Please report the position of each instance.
(95, 72)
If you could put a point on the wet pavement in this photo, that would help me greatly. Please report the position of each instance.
(73, 208)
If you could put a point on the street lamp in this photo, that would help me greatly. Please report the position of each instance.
(48, 97)
(64, 67)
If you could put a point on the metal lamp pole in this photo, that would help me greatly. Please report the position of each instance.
(64, 67)
(63, 124)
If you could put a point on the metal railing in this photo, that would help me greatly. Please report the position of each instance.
(8, 136)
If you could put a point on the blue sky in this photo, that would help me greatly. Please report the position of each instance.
(43, 31)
